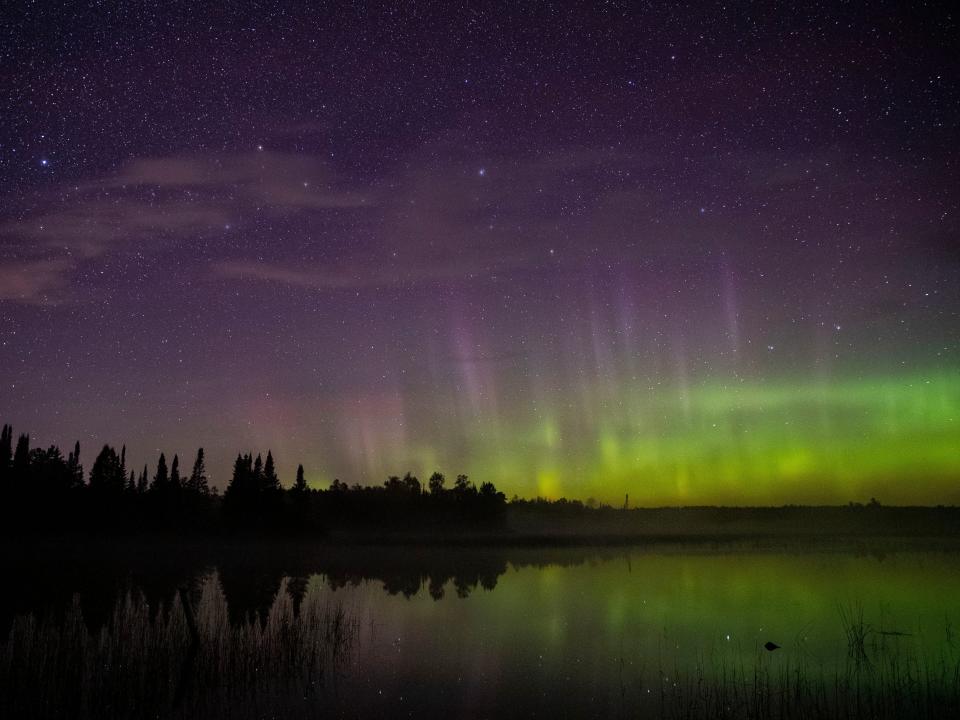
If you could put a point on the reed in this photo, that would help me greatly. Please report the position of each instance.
(138, 666)
(145, 663)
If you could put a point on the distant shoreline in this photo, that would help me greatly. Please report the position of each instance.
(530, 524)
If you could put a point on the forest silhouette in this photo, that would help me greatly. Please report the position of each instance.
(43, 492)
(46, 491)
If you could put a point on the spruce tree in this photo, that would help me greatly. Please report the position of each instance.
(300, 485)
(161, 480)
(21, 459)
(175, 473)
(256, 476)
(198, 477)
(105, 475)
(270, 480)
(239, 482)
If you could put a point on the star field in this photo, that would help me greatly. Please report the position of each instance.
(697, 253)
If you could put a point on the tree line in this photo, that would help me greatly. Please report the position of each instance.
(45, 491)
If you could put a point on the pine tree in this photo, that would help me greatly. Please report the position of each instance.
(270, 480)
(300, 495)
(161, 480)
(198, 477)
(105, 475)
(21, 459)
(142, 482)
(300, 485)
(256, 476)
(239, 470)
(240, 481)
(175, 473)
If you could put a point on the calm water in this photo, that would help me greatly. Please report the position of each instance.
(300, 631)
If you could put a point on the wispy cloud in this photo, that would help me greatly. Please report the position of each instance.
(153, 203)
(92, 228)
(359, 276)
(37, 282)
(271, 180)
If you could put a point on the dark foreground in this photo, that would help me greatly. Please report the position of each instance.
(264, 628)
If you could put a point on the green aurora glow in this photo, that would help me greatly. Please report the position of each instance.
(749, 443)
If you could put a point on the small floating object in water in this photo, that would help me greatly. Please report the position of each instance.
(771, 646)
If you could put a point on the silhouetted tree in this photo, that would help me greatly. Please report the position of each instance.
(49, 475)
(257, 474)
(300, 485)
(198, 476)
(74, 466)
(301, 501)
(6, 454)
(41, 485)
(463, 488)
(436, 484)
(488, 490)
(254, 498)
(161, 481)
(411, 484)
(175, 473)
(269, 481)
(105, 475)
(21, 460)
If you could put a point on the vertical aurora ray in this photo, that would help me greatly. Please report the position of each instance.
(569, 267)
(802, 441)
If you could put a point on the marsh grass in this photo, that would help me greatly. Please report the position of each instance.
(857, 631)
(881, 677)
(144, 663)
(138, 666)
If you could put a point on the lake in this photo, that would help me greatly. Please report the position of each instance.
(298, 630)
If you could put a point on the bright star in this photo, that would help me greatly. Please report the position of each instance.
(482, 172)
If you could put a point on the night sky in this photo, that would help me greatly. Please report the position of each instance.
(697, 254)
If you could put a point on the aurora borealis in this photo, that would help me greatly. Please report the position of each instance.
(698, 254)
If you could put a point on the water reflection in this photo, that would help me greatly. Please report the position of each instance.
(469, 632)
(250, 575)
